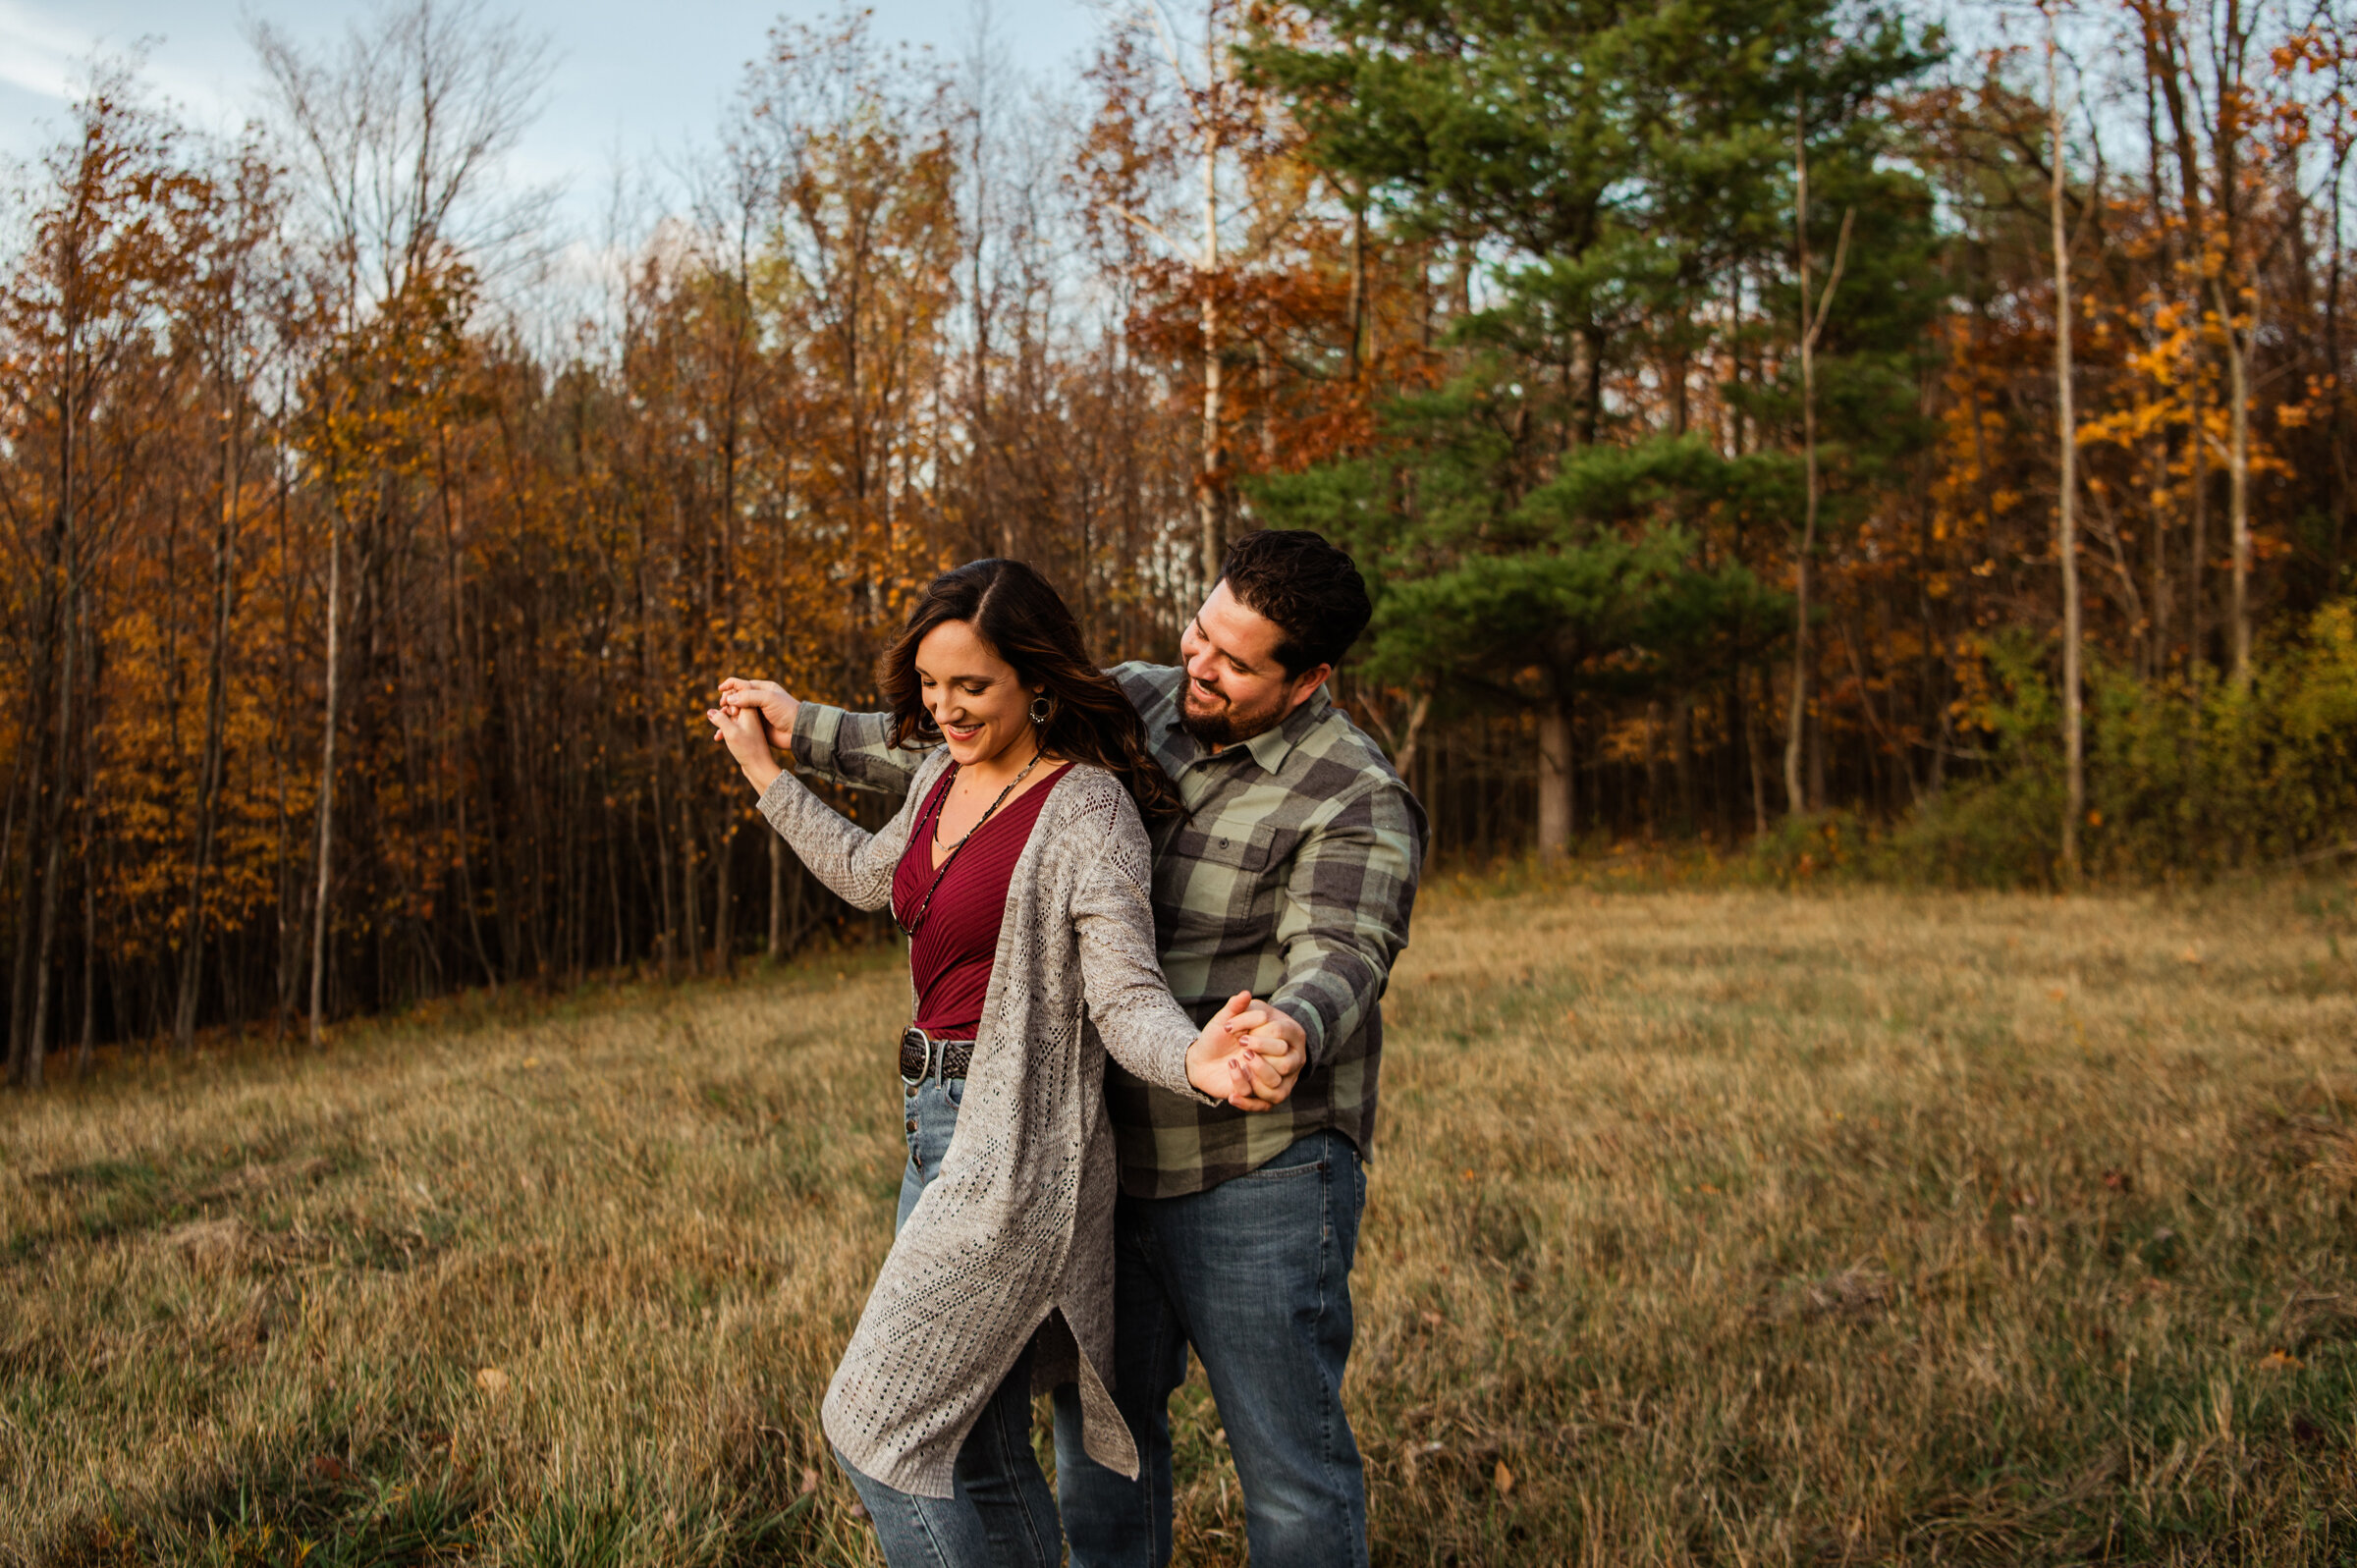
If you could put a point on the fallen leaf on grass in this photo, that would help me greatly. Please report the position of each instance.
(1506, 1480)
(809, 1481)
(2280, 1360)
(491, 1380)
(328, 1467)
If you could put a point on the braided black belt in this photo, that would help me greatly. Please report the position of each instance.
(922, 1056)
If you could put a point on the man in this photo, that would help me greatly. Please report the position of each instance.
(1290, 875)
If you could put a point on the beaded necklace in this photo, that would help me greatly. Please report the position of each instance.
(931, 824)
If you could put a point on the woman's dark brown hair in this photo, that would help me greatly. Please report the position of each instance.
(1026, 622)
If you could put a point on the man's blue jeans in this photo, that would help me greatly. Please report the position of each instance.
(1255, 1274)
(1001, 1514)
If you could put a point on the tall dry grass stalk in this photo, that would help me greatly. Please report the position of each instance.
(1720, 1227)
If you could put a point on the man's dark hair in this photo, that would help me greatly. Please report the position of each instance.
(1309, 588)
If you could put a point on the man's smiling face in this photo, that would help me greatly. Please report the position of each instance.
(1235, 685)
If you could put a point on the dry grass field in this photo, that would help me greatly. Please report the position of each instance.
(1724, 1227)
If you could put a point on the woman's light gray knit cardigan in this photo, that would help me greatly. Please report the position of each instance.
(1017, 1231)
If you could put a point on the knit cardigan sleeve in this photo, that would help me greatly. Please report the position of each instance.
(855, 863)
(1143, 1025)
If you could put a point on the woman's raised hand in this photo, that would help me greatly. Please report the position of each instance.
(775, 704)
(1239, 1058)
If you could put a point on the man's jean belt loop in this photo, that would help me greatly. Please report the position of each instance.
(923, 1057)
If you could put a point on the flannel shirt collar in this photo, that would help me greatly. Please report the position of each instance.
(1270, 746)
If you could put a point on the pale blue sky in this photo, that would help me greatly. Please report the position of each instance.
(646, 80)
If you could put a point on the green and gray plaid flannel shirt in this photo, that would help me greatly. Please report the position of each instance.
(1290, 876)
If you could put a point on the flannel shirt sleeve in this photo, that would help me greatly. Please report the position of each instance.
(1345, 914)
(853, 748)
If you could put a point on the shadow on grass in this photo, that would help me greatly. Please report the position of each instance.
(403, 1502)
(109, 1199)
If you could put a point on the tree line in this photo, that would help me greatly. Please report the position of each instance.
(1745, 412)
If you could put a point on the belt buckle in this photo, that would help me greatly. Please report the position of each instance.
(929, 1046)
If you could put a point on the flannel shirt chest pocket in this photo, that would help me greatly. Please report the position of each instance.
(1220, 882)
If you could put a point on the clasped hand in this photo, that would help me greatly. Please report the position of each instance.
(1248, 1056)
(771, 703)
(755, 721)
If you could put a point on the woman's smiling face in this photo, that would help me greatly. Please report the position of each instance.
(971, 693)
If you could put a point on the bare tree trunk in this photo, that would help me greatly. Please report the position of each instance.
(209, 768)
(1650, 815)
(36, 1038)
(1359, 288)
(691, 902)
(2066, 435)
(1752, 753)
(1264, 389)
(1682, 734)
(2198, 543)
(89, 963)
(2235, 107)
(466, 859)
(1208, 500)
(1797, 799)
(38, 831)
(1555, 780)
(2238, 478)
(2158, 658)
(53, 873)
(1812, 324)
(88, 855)
(327, 776)
(666, 944)
(1404, 763)
(777, 898)
(724, 918)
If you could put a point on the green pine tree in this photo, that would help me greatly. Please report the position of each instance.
(1618, 176)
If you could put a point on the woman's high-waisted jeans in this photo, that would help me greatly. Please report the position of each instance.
(1002, 1514)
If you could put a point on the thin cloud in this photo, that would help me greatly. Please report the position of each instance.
(41, 54)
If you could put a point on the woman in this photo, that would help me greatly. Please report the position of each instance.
(1020, 868)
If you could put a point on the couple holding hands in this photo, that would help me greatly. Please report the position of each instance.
(1203, 872)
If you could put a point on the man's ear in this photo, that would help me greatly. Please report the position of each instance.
(1307, 682)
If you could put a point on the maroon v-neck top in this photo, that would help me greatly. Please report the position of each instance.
(953, 951)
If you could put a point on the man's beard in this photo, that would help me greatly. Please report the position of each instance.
(1225, 726)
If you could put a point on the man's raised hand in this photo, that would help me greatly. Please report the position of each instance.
(776, 705)
(742, 731)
